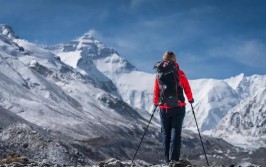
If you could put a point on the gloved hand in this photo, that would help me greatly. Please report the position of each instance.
(191, 101)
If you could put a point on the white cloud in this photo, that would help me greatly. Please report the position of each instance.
(250, 52)
(92, 32)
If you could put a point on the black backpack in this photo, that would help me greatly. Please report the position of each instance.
(168, 78)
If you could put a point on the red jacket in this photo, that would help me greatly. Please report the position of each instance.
(184, 84)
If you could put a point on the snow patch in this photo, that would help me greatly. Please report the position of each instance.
(70, 58)
(235, 81)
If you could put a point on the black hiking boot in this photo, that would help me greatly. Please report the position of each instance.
(176, 164)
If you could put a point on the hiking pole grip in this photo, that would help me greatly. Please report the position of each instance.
(155, 107)
(199, 134)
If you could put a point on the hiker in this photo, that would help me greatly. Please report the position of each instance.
(172, 111)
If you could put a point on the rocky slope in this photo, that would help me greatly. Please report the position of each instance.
(247, 119)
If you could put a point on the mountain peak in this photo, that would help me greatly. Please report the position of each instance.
(88, 36)
(235, 81)
(7, 31)
(88, 39)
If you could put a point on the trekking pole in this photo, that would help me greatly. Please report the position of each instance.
(199, 134)
(154, 109)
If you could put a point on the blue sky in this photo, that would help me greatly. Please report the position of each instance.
(211, 38)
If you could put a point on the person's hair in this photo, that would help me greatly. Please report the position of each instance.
(169, 56)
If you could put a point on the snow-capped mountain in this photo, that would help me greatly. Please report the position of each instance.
(81, 54)
(246, 121)
(89, 98)
(7, 31)
(222, 105)
(214, 98)
(132, 85)
(46, 92)
(43, 83)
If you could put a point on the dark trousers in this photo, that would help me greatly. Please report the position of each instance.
(171, 123)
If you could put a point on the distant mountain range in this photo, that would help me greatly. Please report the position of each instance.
(215, 99)
(83, 102)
